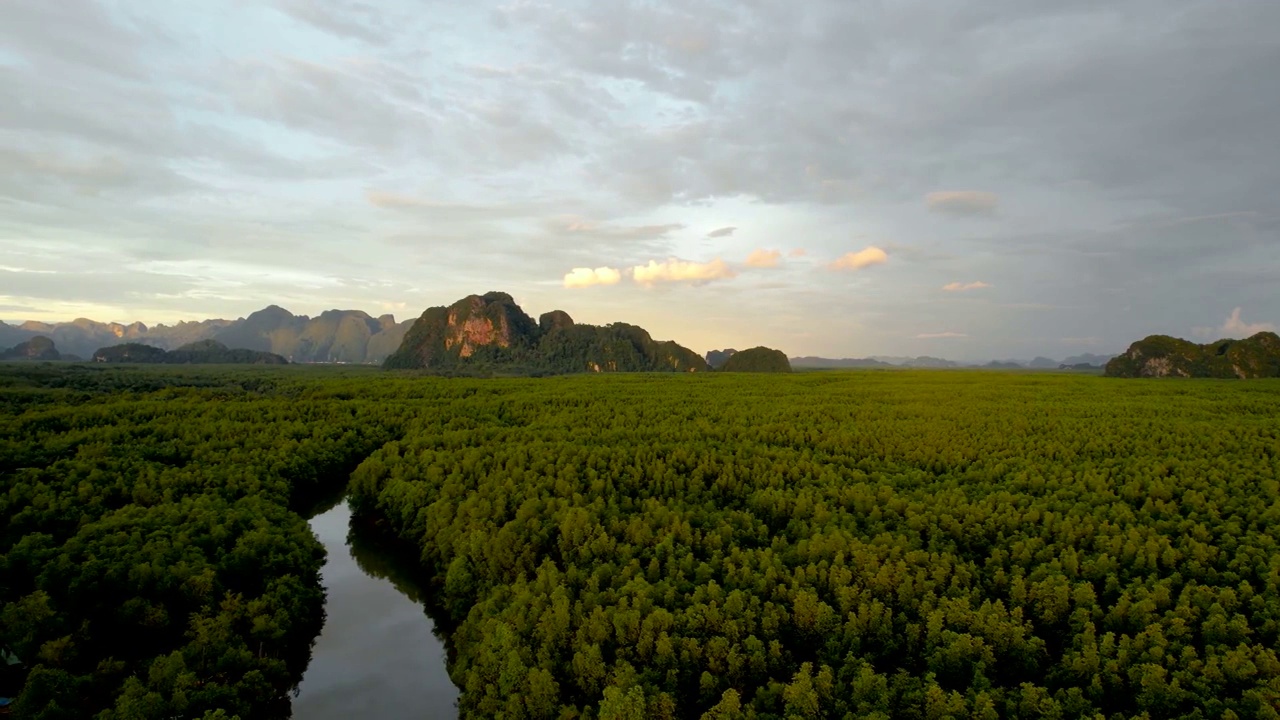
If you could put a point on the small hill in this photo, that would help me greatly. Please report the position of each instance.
(925, 361)
(1164, 356)
(201, 352)
(827, 363)
(1088, 359)
(130, 353)
(758, 360)
(491, 333)
(37, 349)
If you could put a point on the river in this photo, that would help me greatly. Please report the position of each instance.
(378, 655)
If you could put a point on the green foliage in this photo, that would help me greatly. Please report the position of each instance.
(884, 545)
(759, 360)
(151, 564)
(1164, 356)
(845, 544)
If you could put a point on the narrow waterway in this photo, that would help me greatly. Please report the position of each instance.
(378, 655)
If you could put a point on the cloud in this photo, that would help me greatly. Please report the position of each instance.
(932, 336)
(574, 225)
(962, 202)
(861, 259)
(965, 287)
(763, 258)
(342, 18)
(722, 232)
(391, 200)
(1234, 327)
(797, 253)
(677, 271)
(587, 277)
(1127, 183)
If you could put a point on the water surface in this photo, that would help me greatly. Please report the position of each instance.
(377, 656)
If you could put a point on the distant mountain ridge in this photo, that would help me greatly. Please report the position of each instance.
(491, 332)
(882, 361)
(341, 336)
(1077, 362)
(1157, 356)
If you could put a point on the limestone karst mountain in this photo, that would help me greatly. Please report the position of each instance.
(1164, 356)
(340, 336)
(491, 332)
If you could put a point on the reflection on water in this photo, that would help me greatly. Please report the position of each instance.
(377, 656)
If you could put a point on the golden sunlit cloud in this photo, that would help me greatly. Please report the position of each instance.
(587, 277)
(965, 287)
(858, 260)
(674, 271)
(764, 259)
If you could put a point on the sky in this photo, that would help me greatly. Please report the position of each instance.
(968, 179)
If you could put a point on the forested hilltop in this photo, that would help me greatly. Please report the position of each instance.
(37, 349)
(757, 359)
(204, 352)
(1163, 356)
(490, 332)
(850, 544)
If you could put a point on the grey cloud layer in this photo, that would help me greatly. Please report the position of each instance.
(1108, 168)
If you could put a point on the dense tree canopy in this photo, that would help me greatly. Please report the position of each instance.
(152, 562)
(853, 544)
(897, 545)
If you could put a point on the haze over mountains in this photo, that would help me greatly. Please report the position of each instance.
(925, 361)
(354, 336)
(334, 336)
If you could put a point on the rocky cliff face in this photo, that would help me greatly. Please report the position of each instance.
(1164, 356)
(491, 332)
